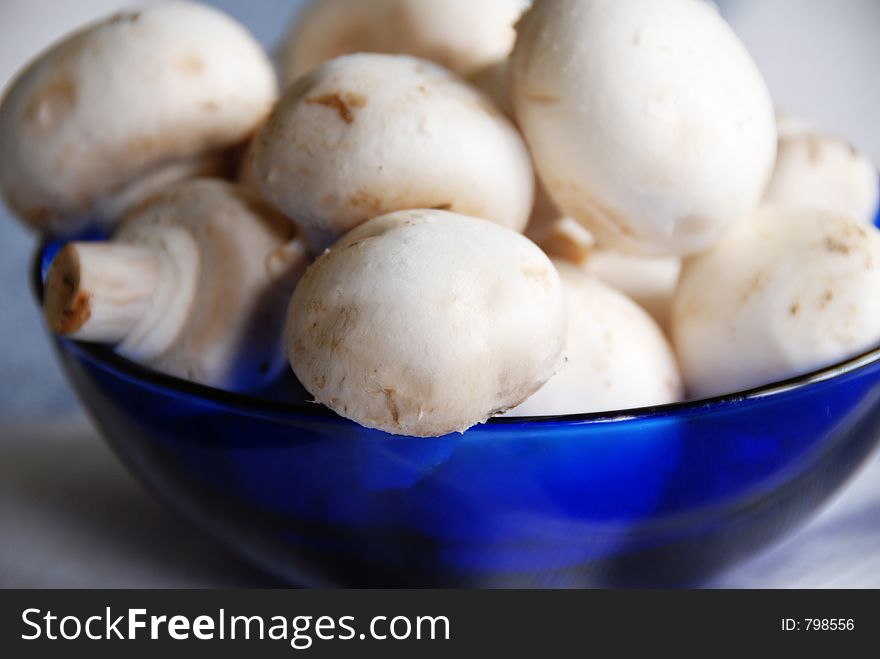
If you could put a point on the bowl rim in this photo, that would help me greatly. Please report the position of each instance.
(107, 358)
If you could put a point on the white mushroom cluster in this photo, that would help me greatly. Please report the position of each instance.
(447, 211)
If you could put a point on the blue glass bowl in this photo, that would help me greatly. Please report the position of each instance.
(657, 496)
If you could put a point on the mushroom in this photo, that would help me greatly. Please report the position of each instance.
(364, 135)
(462, 35)
(426, 322)
(616, 355)
(195, 283)
(648, 121)
(148, 92)
(820, 171)
(788, 291)
(209, 165)
(564, 238)
(558, 235)
(649, 282)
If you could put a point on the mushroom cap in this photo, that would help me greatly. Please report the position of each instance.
(218, 315)
(648, 121)
(426, 322)
(616, 357)
(117, 99)
(366, 134)
(788, 291)
(823, 172)
(462, 35)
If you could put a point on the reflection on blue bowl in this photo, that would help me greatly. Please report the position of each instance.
(656, 496)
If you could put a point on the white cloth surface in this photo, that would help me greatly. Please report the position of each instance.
(71, 517)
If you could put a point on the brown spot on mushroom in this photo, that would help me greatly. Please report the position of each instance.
(365, 203)
(391, 402)
(342, 105)
(827, 296)
(442, 207)
(531, 271)
(541, 98)
(359, 243)
(355, 100)
(756, 285)
(140, 147)
(833, 245)
(125, 16)
(190, 64)
(315, 307)
(209, 106)
(51, 104)
(795, 309)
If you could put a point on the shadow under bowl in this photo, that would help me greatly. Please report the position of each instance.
(651, 497)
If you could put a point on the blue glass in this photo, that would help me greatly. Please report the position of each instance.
(657, 496)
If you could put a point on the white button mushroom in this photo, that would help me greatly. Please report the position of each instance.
(616, 356)
(462, 35)
(648, 121)
(195, 284)
(824, 172)
(788, 291)
(138, 92)
(364, 135)
(426, 322)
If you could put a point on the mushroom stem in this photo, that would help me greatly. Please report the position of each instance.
(568, 239)
(99, 291)
(287, 263)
